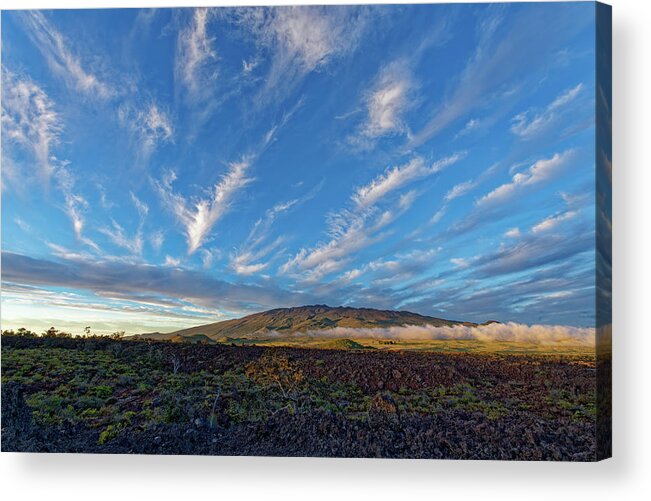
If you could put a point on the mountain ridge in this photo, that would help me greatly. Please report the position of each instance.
(304, 319)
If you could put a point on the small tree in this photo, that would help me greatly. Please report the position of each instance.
(276, 370)
(55, 333)
(51, 332)
(25, 332)
(176, 363)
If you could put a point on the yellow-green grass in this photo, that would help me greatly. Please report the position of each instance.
(436, 345)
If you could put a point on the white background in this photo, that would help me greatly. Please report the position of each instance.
(626, 476)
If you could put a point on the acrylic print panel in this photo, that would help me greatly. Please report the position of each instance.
(349, 231)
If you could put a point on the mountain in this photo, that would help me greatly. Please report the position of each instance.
(303, 319)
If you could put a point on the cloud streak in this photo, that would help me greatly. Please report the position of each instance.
(29, 119)
(529, 124)
(151, 125)
(508, 47)
(134, 279)
(247, 260)
(61, 59)
(541, 171)
(386, 103)
(198, 217)
(117, 234)
(195, 55)
(299, 40)
(352, 229)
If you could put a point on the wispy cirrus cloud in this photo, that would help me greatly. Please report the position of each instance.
(75, 205)
(299, 40)
(530, 123)
(386, 103)
(354, 228)
(199, 216)
(247, 260)
(552, 222)
(513, 233)
(195, 59)
(118, 235)
(151, 125)
(393, 92)
(399, 176)
(30, 120)
(383, 272)
(157, 239)
(508, 48)
(61, 59)
(471, 125)
(539, 172)
(459, 190)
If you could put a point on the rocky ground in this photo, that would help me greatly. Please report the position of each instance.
(110, 396)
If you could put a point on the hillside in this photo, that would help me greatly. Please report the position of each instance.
(303, 319)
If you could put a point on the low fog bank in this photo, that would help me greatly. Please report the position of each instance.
(537, 334)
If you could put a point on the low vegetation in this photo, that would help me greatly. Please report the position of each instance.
(98, 394)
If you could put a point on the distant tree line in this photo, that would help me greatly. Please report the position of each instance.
(52, 332)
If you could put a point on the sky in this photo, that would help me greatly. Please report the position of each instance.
(164, 168)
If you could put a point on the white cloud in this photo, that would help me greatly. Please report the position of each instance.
(299, 40)
(504, 52)
(60, 58)
(151, 125)
(386, 103)
(310, 36)
(22, 224)
(459, 189)
(157, 239)
(198, 217)
(247, 259)
(438, 215)
(513, 233)
(118, 235)
(397, 177)
(387, 272)
(511, 332)
(208, 257)
(530, 124)
(195, 56)
(74, 204)
(242, 268)
(354, 229)
(460, 262)
(272, 133)
(552, 221)
(249, 66)
(173, 262)
(539, 172)
(141, 207)
(29, 119)
(351, 275)
(471, 125)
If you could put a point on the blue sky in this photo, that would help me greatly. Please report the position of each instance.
(173, 167)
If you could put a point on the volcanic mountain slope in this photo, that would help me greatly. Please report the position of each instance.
(304, 319)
